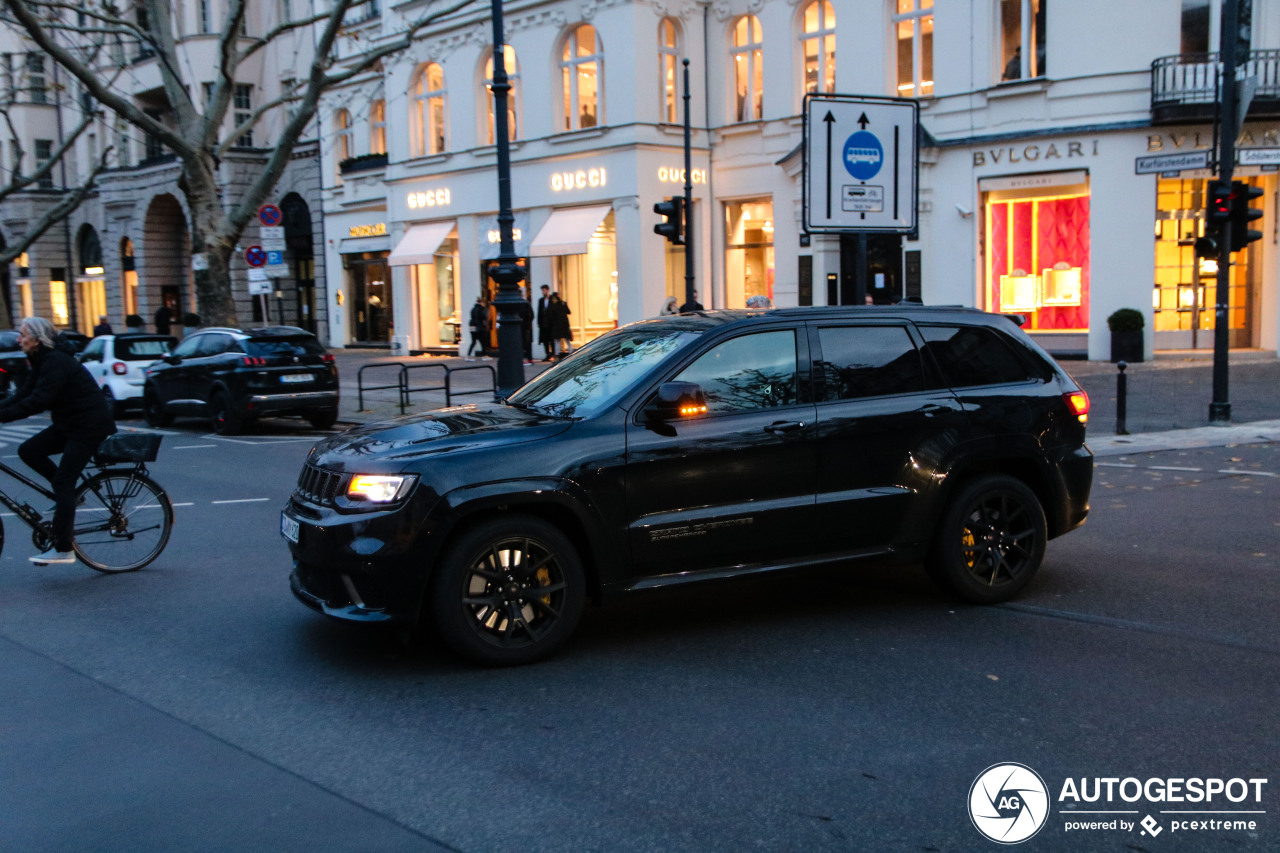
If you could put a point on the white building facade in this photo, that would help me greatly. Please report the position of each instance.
(126, 249)
(1033, 118)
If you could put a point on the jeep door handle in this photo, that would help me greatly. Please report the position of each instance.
(779, 427)
(931, 409)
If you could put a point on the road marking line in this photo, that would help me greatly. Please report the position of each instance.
(243, 501)
(1247, 473)
(192, 446)
(1173, 468)
(1113, 465)
(188, 503)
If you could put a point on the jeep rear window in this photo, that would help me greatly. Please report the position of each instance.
(143, 349)
(973, 355)
(266, 347)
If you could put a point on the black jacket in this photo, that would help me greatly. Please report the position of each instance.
(60, 384)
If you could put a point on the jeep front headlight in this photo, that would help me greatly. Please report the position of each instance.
(380, 488)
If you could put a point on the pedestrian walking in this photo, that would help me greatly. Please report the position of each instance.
(560, 330)
(479, 325)
(103, 327)
(164, 319)
(692, 305)
(669, 307)
(544, 324)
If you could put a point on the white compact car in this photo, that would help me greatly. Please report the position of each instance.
(118, 364)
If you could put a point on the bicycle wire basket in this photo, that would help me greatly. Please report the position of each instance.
(129, 447)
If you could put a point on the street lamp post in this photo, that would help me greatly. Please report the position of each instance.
(509, 273)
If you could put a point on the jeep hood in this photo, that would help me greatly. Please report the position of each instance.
(396, 442)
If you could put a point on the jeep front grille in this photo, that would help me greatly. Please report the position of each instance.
(318, 486)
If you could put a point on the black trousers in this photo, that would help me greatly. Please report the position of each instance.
(76, 453)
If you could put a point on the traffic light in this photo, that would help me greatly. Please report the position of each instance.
(672, 228)
(1242, 214)
(1218, 206)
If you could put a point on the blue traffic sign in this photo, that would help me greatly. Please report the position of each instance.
(863, 155)
(274, 258)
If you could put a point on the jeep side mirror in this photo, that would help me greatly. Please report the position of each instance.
(676, 401)
(173, 359)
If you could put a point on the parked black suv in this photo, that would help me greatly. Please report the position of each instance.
(232, 376)
(695, 447)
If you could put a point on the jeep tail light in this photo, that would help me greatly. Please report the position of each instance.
(119, 368)
(1078, 403)
(328, 358)
(254, 361)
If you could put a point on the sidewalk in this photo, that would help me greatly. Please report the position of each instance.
(1168, 398)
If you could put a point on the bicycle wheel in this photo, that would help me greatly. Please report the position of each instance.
(123, 521)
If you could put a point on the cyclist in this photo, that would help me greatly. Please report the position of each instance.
(81, 421)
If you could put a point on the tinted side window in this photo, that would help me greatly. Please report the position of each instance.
(93, 352)
(188, 348)
(867, 361)
(266, 347)
(973, 355)
(213, 344)
(748, 372)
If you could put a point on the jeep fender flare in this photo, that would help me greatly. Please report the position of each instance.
(556, 499)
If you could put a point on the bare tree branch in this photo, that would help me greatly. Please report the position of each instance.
(19, 182)
(64, 208)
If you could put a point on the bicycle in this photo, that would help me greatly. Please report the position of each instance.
(123, 517)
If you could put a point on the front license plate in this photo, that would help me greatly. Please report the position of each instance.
(289, 528)
(296, 377)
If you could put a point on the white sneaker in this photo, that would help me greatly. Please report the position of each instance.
(44, 558)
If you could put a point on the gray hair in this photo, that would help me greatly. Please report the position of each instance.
(40, 329)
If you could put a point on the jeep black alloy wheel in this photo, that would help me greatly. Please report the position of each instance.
(991, 540)
(508, 591)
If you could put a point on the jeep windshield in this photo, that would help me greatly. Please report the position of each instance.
(590, 380)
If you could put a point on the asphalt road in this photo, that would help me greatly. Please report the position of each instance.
(196, 706)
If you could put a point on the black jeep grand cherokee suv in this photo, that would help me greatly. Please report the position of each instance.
(694, 447)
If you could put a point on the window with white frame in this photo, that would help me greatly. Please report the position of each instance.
(243, 103)
(913, 32)
(1022, 39)
(668, 65)
(748, 68)
(35, 79)
(581, 63)
(513, 95)
(44, 152)
(818, 43)
(378, 127)
(124, 155)
(343, 144)
(427, 129)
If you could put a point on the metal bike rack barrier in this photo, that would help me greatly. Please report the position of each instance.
(399, 386)
(405, 390)
(449, 394)
(447, 387)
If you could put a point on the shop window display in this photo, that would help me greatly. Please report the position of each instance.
(1037, 259)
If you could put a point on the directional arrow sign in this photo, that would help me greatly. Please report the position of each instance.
(860, 164)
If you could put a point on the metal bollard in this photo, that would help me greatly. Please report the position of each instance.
(1122, 392)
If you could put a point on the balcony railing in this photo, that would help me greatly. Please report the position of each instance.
(1185, 87)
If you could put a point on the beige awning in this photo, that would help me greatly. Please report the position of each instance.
(568, 231)
(419, 244)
